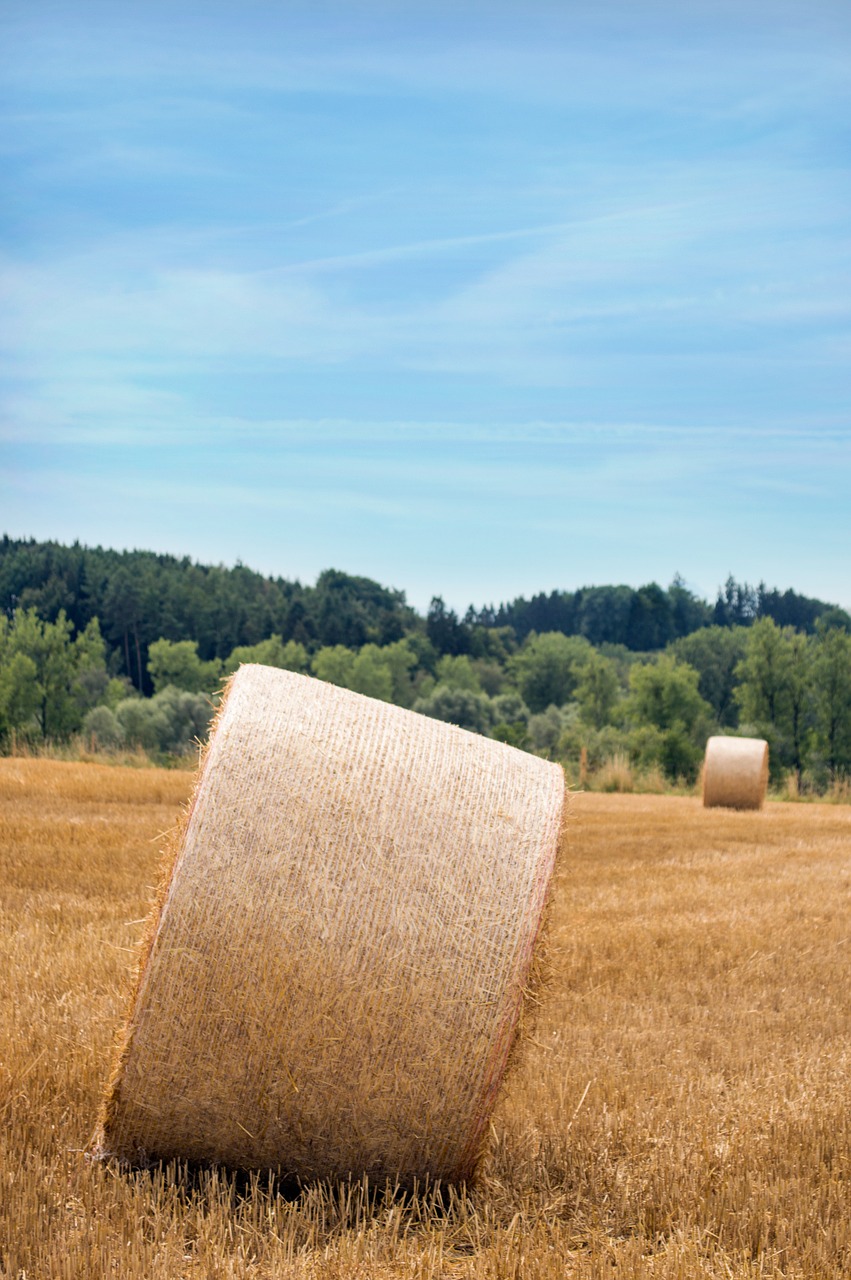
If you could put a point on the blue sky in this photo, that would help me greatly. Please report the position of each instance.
(476, 299)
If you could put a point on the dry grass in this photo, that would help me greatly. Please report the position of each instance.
(683, 1108)
(80, 749)
(615, 774)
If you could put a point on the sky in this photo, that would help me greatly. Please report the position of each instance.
(475, 299)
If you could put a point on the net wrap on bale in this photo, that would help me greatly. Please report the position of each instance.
(735, 773)
(333, 979)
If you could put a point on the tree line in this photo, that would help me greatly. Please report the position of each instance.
(79, 653)
(139, 597)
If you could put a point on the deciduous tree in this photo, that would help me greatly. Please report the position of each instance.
(176, 663)
(547, 668)
(832, 687)
(598, 689)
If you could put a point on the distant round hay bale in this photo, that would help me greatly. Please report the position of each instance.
(334, 977)
(735, 773)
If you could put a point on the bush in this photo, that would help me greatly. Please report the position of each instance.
(679, 755)
(511, 708)
(169, 723)
(512, 733)
(600, 744)
(468, 710)
(271, 652)
(102, 724)
(672, 750)
(142, 723)
(545, 730)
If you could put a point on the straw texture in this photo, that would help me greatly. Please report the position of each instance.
(334, 978)
(735, 773)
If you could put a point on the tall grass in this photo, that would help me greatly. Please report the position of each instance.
(682, 1108)
(83, 749)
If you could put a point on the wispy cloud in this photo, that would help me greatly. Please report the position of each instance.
(545, 295)
(572, 286)
(666, 51)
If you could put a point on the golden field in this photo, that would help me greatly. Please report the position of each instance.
(682, 1107)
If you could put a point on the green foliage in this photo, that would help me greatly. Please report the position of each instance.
(401, 660)
(600, 744)
(458, 673)
(117, 689)
(170, 626)
(371, 675)
(664, 693)
(776, 677)
(19, 695)
(679, 755)
(92, 684)
(511, 717)
(102, 725)
(672, 750)
(176, 663)
(444, 631)
(715, 653)
(142, 723)
(799, 692)
(490, 675)
(647, 618)
(354, 611)
(831, 670)
(671, 721)
(598, 689)
(763, 674)
(546, 670)
(740, 604)
(544, 731)
(140, 596)
(129, 604)
(383, 673)
(469, 710)
(650, 624)
(511, 708)
(48, 645)
(170, 722)
(423, 650)
(512, 733)
(492, 643)
(645, 744)
(271, 652)
(333, 663)
(47, 679)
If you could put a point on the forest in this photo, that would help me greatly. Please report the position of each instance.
(128, 649)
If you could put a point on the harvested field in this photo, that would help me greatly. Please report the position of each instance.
(683, 1108)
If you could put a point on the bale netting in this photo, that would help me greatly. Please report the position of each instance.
(333, 979)
(735, 773)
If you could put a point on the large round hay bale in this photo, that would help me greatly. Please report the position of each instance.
(735, 773)
(335, 974)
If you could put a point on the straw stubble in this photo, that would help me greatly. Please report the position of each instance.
(337, 969)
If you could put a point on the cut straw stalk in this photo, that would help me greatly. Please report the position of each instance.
(333, 979)
(735, 773)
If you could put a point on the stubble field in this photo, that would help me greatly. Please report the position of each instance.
(682, 1107)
